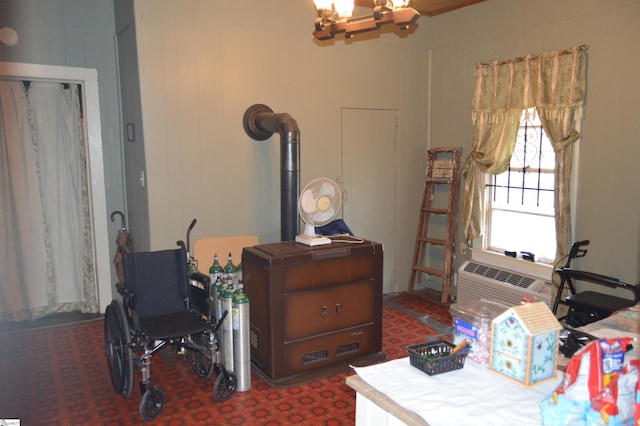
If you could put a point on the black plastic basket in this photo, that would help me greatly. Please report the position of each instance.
(434, 357)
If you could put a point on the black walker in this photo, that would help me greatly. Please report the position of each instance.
(589, 306)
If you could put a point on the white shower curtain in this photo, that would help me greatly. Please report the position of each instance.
(46, 258)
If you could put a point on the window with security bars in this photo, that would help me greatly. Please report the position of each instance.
(520, 209)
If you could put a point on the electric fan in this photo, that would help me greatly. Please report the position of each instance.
(319, 203)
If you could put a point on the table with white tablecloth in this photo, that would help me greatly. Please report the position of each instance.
(395, 392)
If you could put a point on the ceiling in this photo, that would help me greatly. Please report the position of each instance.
(429, 7)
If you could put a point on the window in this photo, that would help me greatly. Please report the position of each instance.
(520, 209)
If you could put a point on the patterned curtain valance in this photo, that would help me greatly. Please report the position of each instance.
(554, 79)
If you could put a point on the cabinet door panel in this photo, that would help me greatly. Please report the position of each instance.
(321, 311)
(306, 314)
(352, 304)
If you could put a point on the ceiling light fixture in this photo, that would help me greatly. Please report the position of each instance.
(334, 17)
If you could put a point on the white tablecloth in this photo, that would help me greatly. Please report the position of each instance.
(470, 396)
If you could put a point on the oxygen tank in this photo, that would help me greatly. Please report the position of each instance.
(215, 273)
(231, 272)
(241, 351)
(227, 327)
(213, 295)
(220, 288)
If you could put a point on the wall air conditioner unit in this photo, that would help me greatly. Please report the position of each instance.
(478, 280)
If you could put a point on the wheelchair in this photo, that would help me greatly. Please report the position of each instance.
(586, 307)
(161, 308)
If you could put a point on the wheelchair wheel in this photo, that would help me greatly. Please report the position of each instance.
(201, 361)
(151, 403)
(117, 344)
(224, 388)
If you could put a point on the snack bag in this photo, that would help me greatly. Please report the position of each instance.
(599, 388)
(637, 419)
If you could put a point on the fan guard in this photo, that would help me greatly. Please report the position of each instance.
(319, 203)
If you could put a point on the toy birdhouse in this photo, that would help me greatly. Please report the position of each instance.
(524, 343)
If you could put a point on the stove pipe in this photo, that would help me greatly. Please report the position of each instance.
(260, 123)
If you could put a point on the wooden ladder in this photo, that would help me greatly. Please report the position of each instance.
(439, 172)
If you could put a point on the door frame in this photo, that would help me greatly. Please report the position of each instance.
(88, 78)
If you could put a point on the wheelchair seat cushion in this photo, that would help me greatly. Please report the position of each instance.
(173, 325)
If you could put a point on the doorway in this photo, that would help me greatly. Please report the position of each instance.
(95, 218)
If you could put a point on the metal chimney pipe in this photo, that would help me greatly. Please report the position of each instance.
(260, 123)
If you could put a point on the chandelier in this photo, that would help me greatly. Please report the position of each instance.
(335, 17)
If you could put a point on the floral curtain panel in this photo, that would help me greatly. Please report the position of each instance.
(46, 255)
(555, 83)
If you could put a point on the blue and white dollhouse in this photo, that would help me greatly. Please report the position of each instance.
(524, 343)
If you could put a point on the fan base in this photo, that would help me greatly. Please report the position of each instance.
(316, 240)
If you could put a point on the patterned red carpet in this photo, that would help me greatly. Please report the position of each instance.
(58, 376)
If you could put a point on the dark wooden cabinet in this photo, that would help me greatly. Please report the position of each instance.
(312, 308)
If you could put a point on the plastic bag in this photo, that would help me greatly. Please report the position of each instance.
(600, 387)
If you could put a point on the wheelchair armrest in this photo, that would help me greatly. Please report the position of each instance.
(127, 295)
(201, 278)
(200, 297)
(123, 290)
